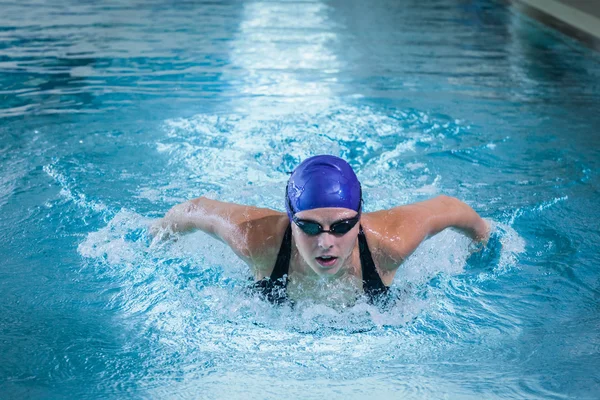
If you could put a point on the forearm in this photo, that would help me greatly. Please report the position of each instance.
(469, 222)
(184, 217)
(461, 216)
(478, 229)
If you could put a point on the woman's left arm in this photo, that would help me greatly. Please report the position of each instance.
(448, 212)
(405, 227)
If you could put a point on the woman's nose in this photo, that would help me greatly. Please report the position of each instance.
(325, 240)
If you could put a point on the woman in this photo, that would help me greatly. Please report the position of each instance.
(325, 236)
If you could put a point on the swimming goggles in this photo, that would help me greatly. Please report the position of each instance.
(313, 228)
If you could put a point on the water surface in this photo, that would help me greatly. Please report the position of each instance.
(112, 113)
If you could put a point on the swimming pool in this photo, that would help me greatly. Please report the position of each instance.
(112, 113)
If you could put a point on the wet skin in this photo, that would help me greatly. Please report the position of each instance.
(326, 254)
(255, 234)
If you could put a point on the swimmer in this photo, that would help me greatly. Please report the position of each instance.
(324, 236)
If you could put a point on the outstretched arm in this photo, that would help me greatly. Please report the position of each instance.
(444, 212)
(229, 222)
(210, 216)
(409, 225)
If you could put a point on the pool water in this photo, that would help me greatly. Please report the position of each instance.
(112, 113)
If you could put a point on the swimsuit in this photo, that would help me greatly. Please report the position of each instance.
(273, 288)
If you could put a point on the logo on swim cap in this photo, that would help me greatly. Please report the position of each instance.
(320, 182)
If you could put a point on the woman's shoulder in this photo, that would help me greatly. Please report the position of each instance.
(264, 230)
(385, 238)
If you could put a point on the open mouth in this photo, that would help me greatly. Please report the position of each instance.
(327, 261)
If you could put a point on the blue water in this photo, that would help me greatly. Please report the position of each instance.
(111, 113)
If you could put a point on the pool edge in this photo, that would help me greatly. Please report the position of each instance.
(568, 19)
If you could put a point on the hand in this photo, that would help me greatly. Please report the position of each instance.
(481, 240)
(160, 230)
(487, 231)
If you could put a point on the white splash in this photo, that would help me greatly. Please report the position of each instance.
(70, 194)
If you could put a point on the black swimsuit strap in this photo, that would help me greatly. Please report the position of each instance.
(273, 288)
(372, 283)
(282, 264)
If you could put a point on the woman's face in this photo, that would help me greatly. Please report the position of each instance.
(326, 253)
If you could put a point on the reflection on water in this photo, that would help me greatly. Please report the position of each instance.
(282, 58)
(267, 53)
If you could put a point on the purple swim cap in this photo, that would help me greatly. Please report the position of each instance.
(322, 181)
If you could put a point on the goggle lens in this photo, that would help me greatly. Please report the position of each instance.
(313, 228)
